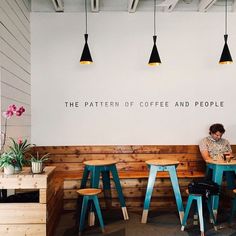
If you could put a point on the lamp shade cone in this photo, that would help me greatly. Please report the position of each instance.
(225, 56)
(154, 58)
(86, 56)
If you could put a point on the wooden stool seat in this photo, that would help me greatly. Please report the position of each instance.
(161, 162)
(100, 162)
(234, 191)
(89, 191)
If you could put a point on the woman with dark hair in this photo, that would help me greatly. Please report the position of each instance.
(215, 147)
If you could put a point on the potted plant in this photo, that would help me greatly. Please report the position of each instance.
(7, 162)
(37, 162)
(18, 149)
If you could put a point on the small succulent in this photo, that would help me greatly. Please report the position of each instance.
(37, 158)
(6, 159)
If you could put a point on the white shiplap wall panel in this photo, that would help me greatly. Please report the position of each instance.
(5, 20)
(16, 93)
(15, 64)
(15, 19)
(10, 65)
(8, 51)
(27, 6)
(8, 37)
(21, 11)
(11, 79)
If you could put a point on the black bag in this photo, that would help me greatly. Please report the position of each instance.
(204, 187)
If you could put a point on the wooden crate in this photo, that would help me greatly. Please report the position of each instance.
(32, 218)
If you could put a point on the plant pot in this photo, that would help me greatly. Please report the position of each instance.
(18, 169)
(9, 170)
(37, 167)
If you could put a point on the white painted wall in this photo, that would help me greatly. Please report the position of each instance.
(189, 44)
(15, 64)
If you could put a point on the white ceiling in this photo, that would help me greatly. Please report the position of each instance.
(132, 6)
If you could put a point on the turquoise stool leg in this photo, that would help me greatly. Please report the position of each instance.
(83, 213)
(94, 182)
(217, 178)
(82, 185)
(187, 209)
(175, 185)
(212, 217)
(95, 176)
(84, 178)
(200, 214)
(233, 210)
(119, 191)
(106, 182)
(107, 188)
(98, 211)
(195, 214)
(230, 178)
(151, 181)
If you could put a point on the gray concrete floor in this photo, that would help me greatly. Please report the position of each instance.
(159, 223)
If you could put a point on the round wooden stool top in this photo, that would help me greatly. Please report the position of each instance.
(89, 191)
(162, 162)
(234, 191)
(100, 162)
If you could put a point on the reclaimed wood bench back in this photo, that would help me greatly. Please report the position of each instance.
(132, 169)
(130, 158)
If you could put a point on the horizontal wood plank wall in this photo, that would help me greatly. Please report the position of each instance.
(15, 64)
(131, 167)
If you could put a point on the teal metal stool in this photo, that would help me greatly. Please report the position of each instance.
(90, 195)
(198, 199)
(104, 167)
(168, 166)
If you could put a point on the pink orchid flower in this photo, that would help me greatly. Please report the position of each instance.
(22, 109)
(18, 113)
(8, 114)
(11, 110)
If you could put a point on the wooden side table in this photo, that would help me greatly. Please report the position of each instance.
(36, 219)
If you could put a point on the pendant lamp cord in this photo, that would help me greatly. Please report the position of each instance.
(225, 17)
(154, 17)
(86, 17)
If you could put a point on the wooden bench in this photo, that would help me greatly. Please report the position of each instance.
(132, 170)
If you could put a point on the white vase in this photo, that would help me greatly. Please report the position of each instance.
(9, 170)
(37, 167)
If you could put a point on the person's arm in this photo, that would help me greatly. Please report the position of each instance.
(205, 155)
(203, 147)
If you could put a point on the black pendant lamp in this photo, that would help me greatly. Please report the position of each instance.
(86, 56)
(154, 58)
(225, 56)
